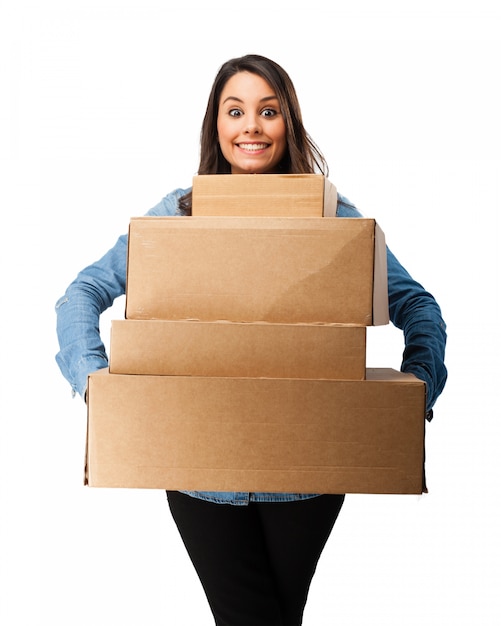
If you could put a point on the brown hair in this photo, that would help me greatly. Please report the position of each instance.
(302, 156)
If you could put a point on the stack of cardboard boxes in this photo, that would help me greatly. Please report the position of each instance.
(241, 362)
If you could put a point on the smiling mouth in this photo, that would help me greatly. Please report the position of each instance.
(252, 147)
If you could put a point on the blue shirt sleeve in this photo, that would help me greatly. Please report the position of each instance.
(92, 292)
(415, 311)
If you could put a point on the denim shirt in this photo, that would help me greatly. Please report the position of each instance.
(412, 309)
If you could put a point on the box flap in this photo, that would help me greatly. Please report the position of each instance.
(330, 199)
(87, 464)
(380, 307)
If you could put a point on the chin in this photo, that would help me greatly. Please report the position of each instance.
(254, 170)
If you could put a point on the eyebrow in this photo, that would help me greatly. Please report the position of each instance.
(265, 99)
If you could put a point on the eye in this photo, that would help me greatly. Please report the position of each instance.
(234, 112)
(269, 112)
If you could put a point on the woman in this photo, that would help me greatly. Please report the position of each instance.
(255, 553)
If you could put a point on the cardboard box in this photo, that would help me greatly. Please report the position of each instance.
(182, 348)
(266, 195)
(257, 269)
(247, 434)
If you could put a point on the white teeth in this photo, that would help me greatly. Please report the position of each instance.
(253, 146)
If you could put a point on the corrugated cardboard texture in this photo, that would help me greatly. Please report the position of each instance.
(159, 347)
(245, 434)
(269, 195)
(244, 269)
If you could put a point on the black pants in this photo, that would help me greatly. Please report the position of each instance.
(255, 562)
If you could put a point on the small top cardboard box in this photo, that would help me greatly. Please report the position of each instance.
(265, 195)
(257, 269)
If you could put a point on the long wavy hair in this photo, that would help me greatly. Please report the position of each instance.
(302, 156)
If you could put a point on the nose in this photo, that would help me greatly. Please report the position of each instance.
(252, 126)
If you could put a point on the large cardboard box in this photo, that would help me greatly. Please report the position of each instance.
(247, 434)
(257, 269)
(268, 195)
(189, 348)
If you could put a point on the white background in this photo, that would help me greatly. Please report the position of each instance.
(101, 108)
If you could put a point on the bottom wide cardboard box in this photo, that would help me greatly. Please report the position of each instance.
(257, 434)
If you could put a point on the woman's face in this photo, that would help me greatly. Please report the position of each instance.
(250, 125)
